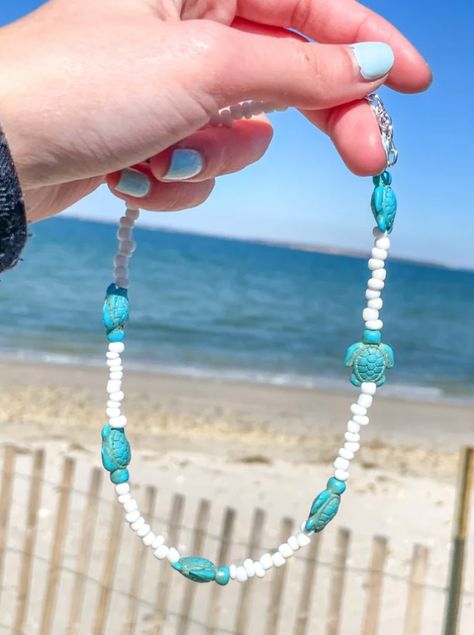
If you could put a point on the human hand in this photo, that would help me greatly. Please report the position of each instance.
(94, 86)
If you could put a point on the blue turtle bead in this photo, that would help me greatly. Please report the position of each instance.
(369, 360)
(384, 202)
(223, 575)
(196, 569)
(116, 453)
(115, 312)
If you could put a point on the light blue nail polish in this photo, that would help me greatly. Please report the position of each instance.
(375, 59)
(185, 163)
(133, 183)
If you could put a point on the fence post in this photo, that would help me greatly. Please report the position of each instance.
(414, 612)
(9, 457)
(374, 586)
(278, 581)
(307, 586)
(460, 532)
(338, 579)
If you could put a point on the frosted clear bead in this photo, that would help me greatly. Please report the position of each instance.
(120, 272)
(249, 567)
(138, 524)
(124, 233)
(365, 401)
(113, 386)
(127, 246)
(285, 550)
(118, 422)
(374, 325)
(237, 111)
(241, 574)
(123, 498)
(353, 437)
(122, 488)
(144, 531)
(370, 314)
(259, 570)
(116, 375)
(266, 561)
(226, 117)
(232, 571)
(341, 464)
(358, 409)
(116, 347)
(120, 260)
(351, 446)
(383, 242)
(368, 388)
(341, 475)
(346, 454)
(379, 274)
(375, 264)
(377, 233)
(158, 541)
(132, 517)
(293, 543)
(371, 294)
(132, 213)
(376, 303)
(161, 552)
(277, 559)
(379, 254)
(149, 539)
(362, 421)
(352, 426)
(173, 555)
(131, 505)
(113, 412)
(112, 355)
(375, 285)
(303, 539)
(126, 221)
(122, 283)
(116, 396)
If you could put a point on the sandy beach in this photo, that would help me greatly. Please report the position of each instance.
(256, 445)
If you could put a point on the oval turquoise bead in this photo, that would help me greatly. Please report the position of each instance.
(196, 569)
(223, 575)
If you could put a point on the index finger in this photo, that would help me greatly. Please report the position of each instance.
(344, 22)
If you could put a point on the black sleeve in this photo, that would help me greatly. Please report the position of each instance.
(13, 230)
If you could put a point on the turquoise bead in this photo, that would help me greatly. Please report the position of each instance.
(325, 505)
(196, 569)
(116, 453)
(115, 312)
(371, 337)
(369, 362)
(223, 575)
(384, 202)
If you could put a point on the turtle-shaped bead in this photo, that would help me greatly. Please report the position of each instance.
(115, 312)
(196, 569)
(116, 453)
(369, 359)
(384, 202)
(325, 505)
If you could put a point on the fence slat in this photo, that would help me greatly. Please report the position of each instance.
(225, 542)
(9, 458)
(374, 586)
(254, 543)
(49, 604)
(108, 574)
(24, 579)
(277, 583)
(337, 583)
(307, 587)
(176, 519)
(138, 568)
(85, 551)
(202, 522)
(414, 612)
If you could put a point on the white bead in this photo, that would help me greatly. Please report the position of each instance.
(293, 543)
(368, 388)
(341, 464)
(127, 246)
(232, 571)
(376, 303)
(143, 531)
(371, 294)
(362, 421)
(138, 524)
(113, 412)
(122, 488)
(118, 422)
(370, 314)
(375, 285)
(122, 283)
(379, 254)
(266, 561)
(365, 401)
(113, 386)
(285, 550)
(377, 233)
(124, 233)
(303, 539)
(173, 555)
(116, 375)
(149, 539)
(379, 274)
(125, 221)
(259, 570)
(341, 475)
(383, 242)
(241, 574)
(277, 559)
(352, 437)
(161, 552)
(374, 325)
(132, 516)
(112, 355)
(124, 498)
(157, 542)
(352, 447)
(113, 363)
(249, 567)
(116, 396)
(131, 505)
(116, 347)
(358, 409)
(346, 454)
(375, 264)
(352, 426)
(132, 213)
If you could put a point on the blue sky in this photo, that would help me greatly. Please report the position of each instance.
(302, 192)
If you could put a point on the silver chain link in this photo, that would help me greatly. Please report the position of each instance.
(386, 128)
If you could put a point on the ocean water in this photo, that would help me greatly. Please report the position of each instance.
(236, 310)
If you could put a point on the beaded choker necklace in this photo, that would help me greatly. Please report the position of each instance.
(368, 359)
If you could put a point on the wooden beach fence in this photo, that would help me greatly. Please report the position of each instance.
(71, 578)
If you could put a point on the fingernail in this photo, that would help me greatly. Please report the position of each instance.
(185, 163)
(375, 59)
(133, 183)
